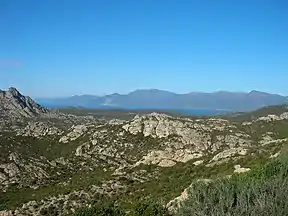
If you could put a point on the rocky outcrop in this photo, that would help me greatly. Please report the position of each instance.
(67, 204)
(229, 153)
(18, 170)
(6, 213)
(39, 129)
(239, 169)
(10, 169)
(185, 139)
(14, 104)
(275, 155)
(161, 126)
(267, 140)
(168, 157)
(270, 118)
(75, 132)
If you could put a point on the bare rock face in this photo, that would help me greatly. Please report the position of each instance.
(168, 157)
(229, 153)
(185, 139)
(14, 104)
(154, 124)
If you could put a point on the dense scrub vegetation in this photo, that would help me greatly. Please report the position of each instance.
(140, 209)
(262, 191)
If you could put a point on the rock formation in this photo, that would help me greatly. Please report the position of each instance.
(14, 104)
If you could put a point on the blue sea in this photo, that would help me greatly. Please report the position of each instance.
(201, 111)
(176, 110)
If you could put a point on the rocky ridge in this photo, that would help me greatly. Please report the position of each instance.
(14, 104)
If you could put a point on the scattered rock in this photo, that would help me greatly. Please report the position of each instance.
(168, 157)
(229, 153)
(239, 169)
(6, 213)
(275, 155)
(39, 129)
(76, 132)
(196, 163)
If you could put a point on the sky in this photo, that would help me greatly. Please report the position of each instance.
(61, 48)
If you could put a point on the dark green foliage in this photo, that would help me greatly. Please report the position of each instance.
(145, 208)
(101, 210)
(262, 191)
(149, 209)
(50, 211)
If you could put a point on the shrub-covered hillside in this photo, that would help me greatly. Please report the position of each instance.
(261, 191)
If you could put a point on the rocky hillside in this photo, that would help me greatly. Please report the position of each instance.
(12, 103)
(56, 164)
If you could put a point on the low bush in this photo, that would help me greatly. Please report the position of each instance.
(141, 209)
(262, 191)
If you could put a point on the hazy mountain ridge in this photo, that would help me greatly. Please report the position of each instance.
(158, 99)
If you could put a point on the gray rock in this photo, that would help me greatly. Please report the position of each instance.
(229, 153)
(10, 169)
(239, 169)
(75, 132)
(39, 129)
(13, 105)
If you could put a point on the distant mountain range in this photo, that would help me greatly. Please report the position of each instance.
(159, 99)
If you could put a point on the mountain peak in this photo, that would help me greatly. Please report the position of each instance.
(150, 91)
(259, 93)
(14, 91)
(14, 104)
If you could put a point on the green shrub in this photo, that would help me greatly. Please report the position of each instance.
(149, 209)
(140, 209)
(100, 210)
(262, 191)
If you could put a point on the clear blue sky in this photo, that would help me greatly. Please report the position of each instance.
(63, 47)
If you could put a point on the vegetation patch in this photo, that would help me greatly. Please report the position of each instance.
(261, 191)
